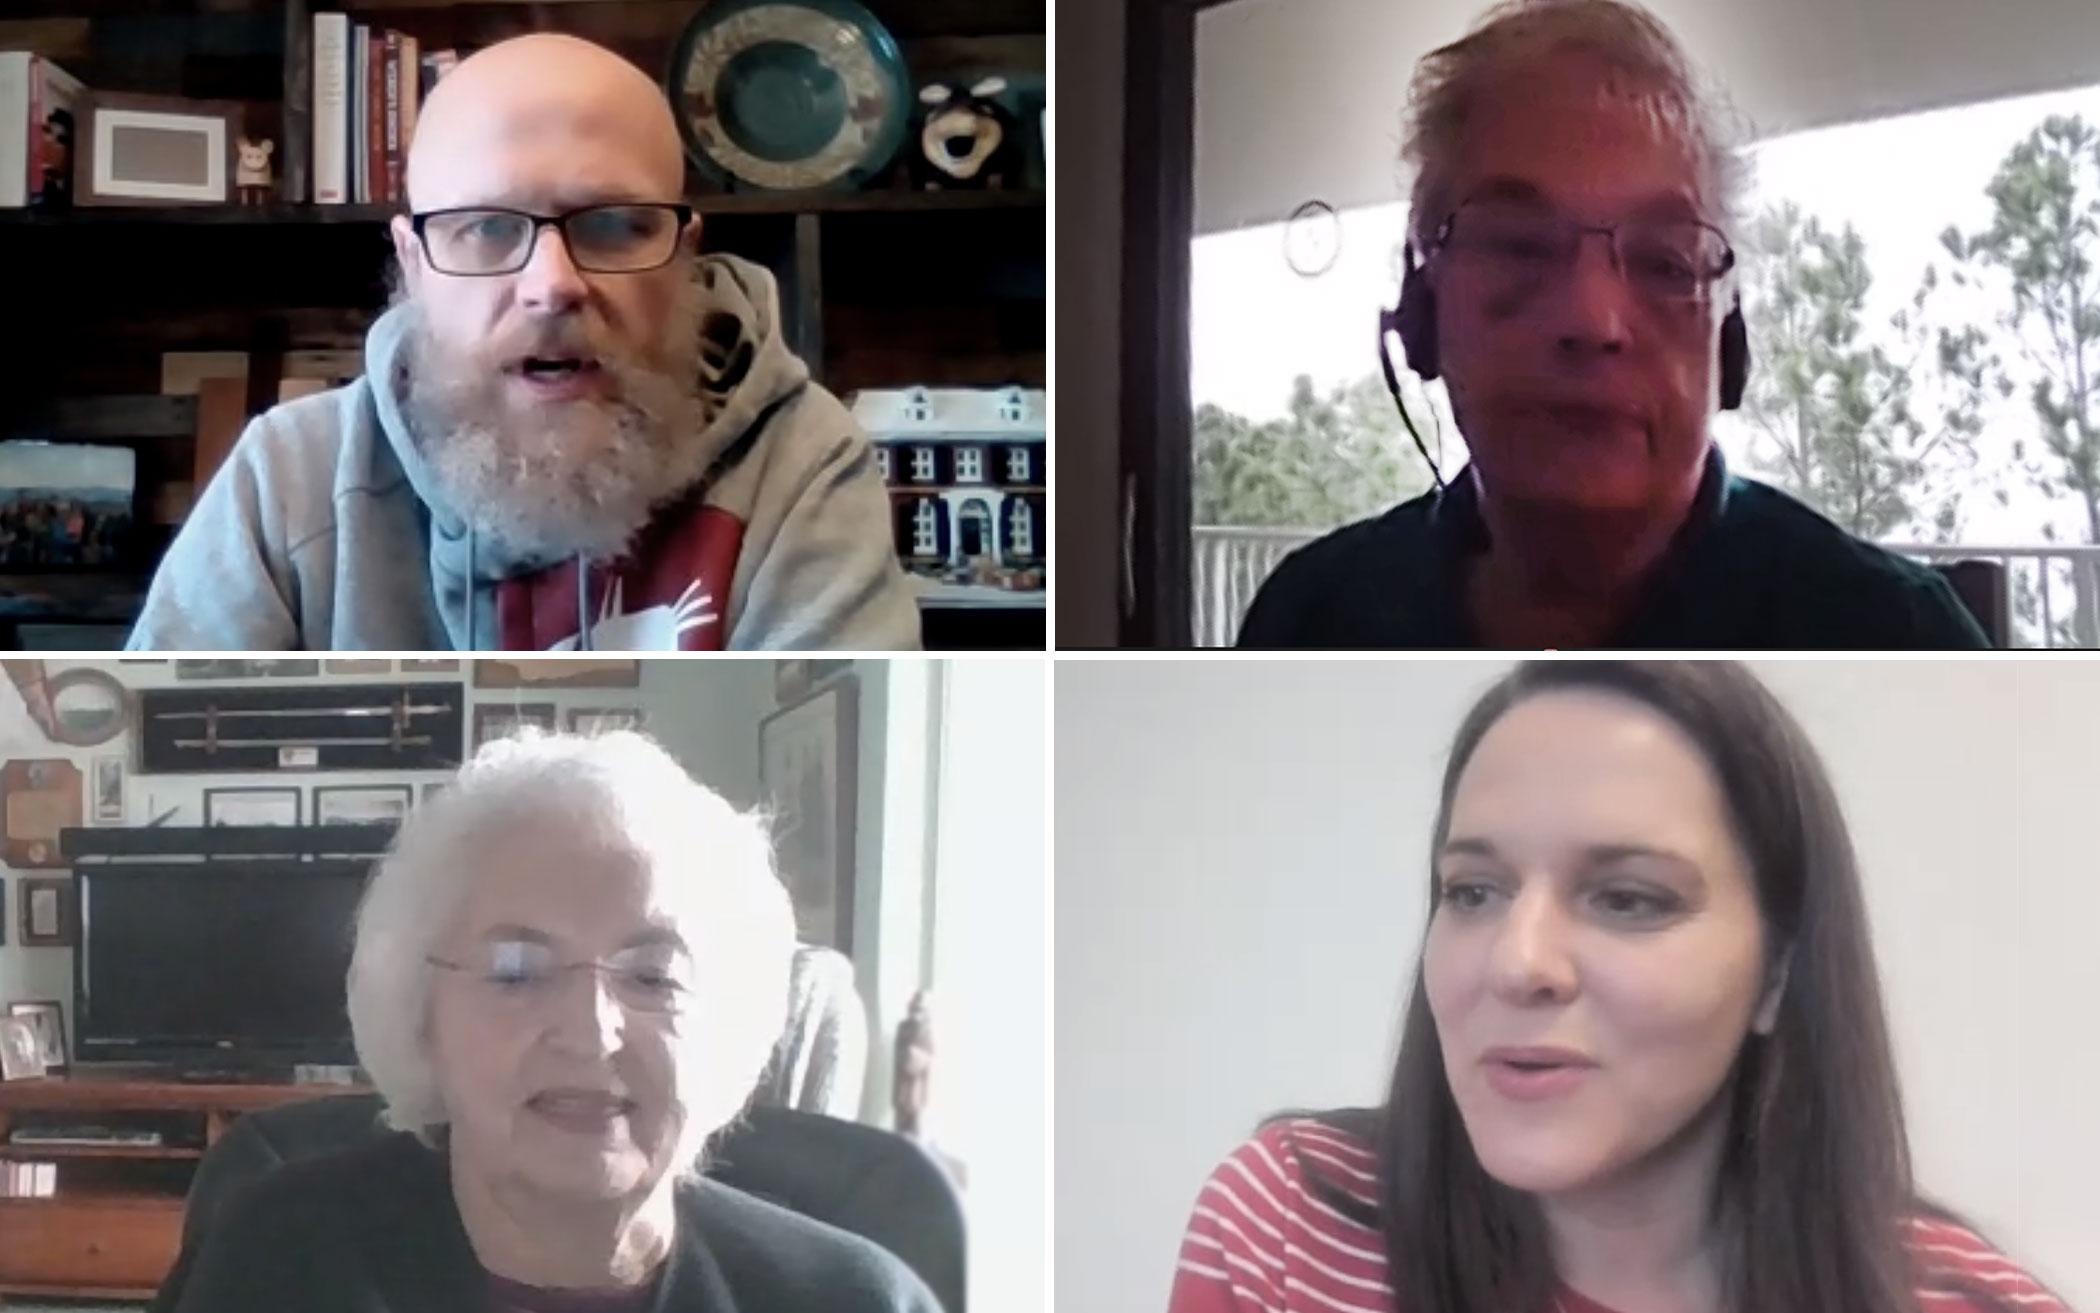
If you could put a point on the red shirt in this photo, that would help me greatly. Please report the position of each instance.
(1259, 1243)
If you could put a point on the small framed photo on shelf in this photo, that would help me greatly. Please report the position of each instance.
(47, 912)
(49, 1021)
(252, 806)
(362, 804)
(493, 722)
(20, 1049)
(603, 720)
(154, 150)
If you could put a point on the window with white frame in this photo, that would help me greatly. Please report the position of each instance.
(1017, 465)
(882, 463)
(1020, 528)
(922, 464)
(969, 465)
(926, 529)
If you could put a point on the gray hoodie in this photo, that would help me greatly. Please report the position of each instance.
(323, 531)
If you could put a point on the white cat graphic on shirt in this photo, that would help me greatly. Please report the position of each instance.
(659, 628)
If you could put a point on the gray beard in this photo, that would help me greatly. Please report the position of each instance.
(576, 478)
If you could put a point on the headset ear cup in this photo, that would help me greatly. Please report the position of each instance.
(1735, 358)
(1416, 322)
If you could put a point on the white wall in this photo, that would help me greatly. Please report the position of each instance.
(1241, 886)
(990, 1091)
(706, 714)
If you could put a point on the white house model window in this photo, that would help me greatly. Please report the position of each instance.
(969, 465)
(925, 530)
(922, 464)
(1020, 528)
(882, 463)
(1017, 464)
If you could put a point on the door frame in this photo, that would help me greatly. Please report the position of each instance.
(1156, 418)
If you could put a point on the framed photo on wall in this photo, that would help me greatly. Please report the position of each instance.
(499, 722)
(362, 804)
(46, 912)
(252, 806)
(603, 720)
(107, 784)
(808, 756)
(560, 672)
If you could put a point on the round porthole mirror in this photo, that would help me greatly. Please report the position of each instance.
(90, 707)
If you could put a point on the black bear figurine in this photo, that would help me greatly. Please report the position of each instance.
(967, 140)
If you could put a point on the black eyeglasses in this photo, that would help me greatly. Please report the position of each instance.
(1519, 246)
(480, 241)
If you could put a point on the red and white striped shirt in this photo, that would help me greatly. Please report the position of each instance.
(1260, 1243)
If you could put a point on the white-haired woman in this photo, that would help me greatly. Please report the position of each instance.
(1574, 196)
(569, 972)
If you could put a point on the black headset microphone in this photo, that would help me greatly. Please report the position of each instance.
(1413, 321)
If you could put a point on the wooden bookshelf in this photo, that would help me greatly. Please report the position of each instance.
(881, 287)
(113, 1229)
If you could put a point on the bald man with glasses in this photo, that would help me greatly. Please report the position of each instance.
(575, 430)
(1571, 280)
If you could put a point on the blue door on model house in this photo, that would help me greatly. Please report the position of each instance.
(975, 531)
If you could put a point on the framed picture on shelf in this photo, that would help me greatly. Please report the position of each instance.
(807, 755)
(499, 722)
(47, 912)
(154, 150)
(21, 1049)
(107, 783)
(603, 720)
(261, 805)
(362, 804)
(49, 1021)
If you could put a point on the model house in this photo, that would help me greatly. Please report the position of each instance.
(967, 471)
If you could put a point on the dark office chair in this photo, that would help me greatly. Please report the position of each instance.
(860, 1179)
(1981, 587)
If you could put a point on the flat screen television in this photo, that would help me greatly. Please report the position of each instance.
(225, 965)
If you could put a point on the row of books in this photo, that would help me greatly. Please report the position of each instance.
(368, 84)
(20, 1180)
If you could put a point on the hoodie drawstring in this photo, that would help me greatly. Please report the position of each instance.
(583, 602)
(471, 617)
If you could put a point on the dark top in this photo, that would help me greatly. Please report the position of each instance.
(1751, 568)
(507, 1296)
(374, 1230)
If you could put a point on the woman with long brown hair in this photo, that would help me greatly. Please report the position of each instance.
(1644, 1066)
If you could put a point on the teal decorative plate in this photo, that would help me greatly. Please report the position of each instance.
(787, 95)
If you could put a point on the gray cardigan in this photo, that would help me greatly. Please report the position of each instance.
(374, 1230)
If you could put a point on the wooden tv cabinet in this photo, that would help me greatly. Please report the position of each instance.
(115, 1226)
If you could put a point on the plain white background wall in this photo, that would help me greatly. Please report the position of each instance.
(1241, 887)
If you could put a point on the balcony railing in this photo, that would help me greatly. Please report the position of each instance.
(2052, 594)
